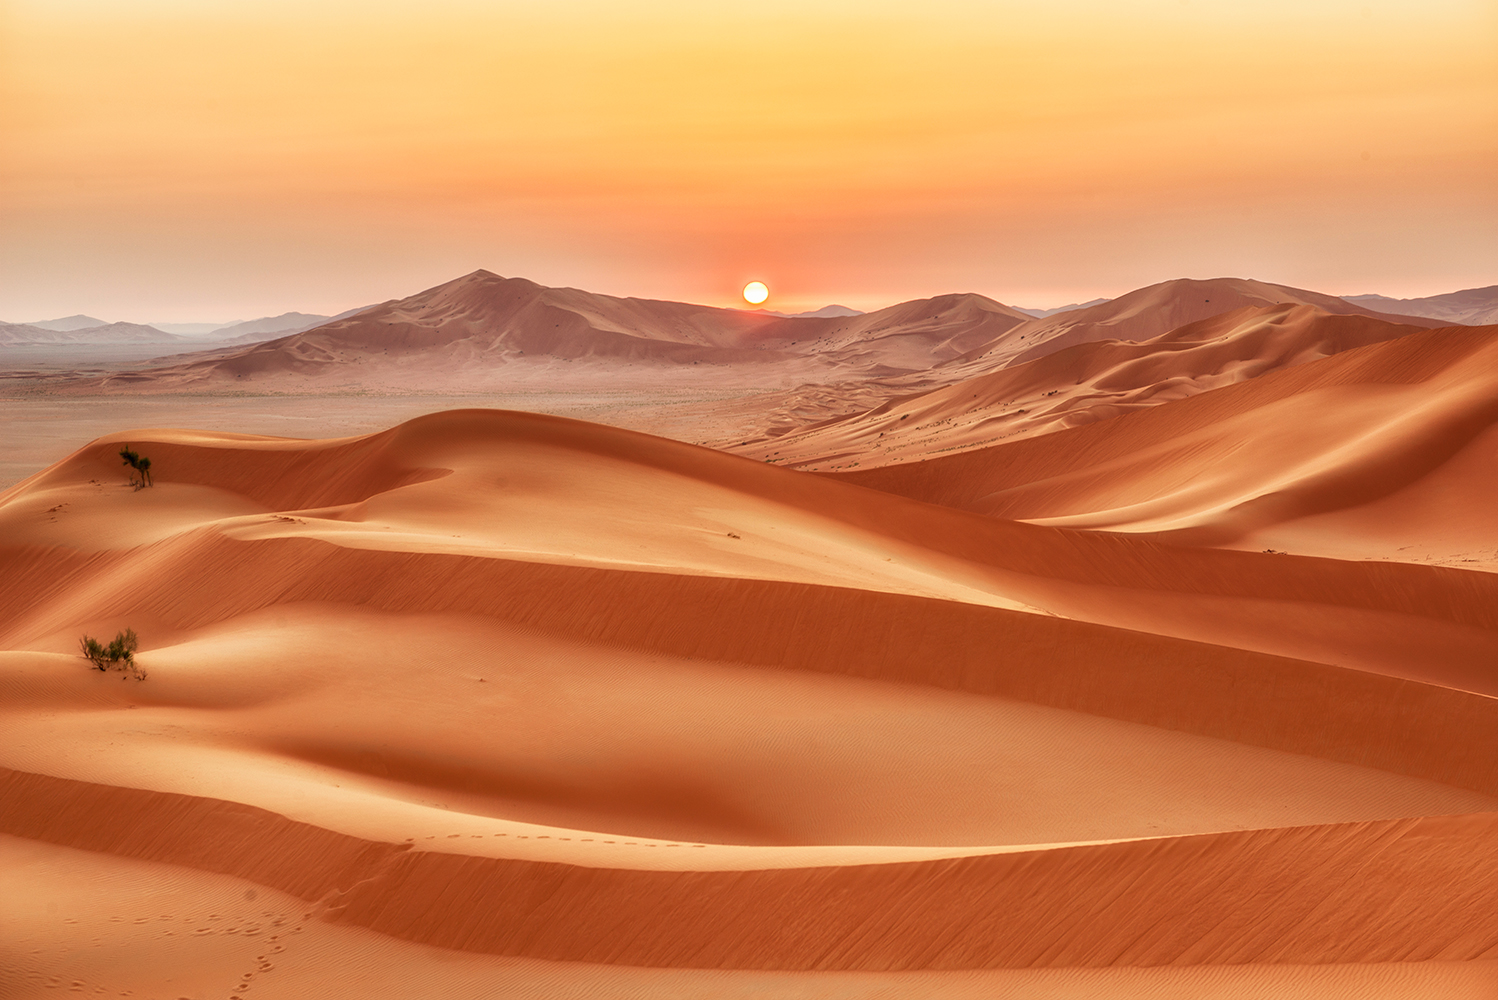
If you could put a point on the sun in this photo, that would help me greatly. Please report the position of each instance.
(756, 292)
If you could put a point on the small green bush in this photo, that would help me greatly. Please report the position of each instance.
(140, 464)
(118, 655)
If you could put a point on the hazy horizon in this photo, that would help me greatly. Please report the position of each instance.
(169, 163)
(180, 327)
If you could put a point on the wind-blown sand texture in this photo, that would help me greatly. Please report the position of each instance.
(1185, 686)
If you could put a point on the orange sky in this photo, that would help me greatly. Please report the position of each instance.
(175, 160)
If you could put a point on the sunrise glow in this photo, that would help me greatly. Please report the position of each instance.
(237, 158)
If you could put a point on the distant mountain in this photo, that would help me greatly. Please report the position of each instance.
(253, 331)
(1043, 313)
(25, 333)
(197, 330)
(282, 325)
(829, 312)
(826, 312)
(1468, 307)
(485, 332)
(482, 327)
(257, 331)
(67, 323)
(109, 333)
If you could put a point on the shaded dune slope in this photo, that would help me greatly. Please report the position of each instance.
(322, 615)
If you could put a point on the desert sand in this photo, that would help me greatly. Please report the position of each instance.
(1183, 686)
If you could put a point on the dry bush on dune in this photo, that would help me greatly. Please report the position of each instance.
(118, 655)
(139, 464)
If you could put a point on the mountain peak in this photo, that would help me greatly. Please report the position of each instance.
(67, 324)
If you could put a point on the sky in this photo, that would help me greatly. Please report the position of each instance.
(211, 160)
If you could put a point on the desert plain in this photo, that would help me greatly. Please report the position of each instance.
(507, 640)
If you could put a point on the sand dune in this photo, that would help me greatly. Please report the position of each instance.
(1155, 309)
(683, 711)
(1153, 344)
(1389, 424)
(1072, 386)
(200, 932)
(1378, 454)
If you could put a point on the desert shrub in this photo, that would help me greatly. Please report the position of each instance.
(140, 464)
(118, 655)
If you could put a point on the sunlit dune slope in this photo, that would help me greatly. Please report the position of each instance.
(1383, 450)
(1075, 385)
(522, 686)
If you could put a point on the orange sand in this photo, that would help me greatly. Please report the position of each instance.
(494, 701)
